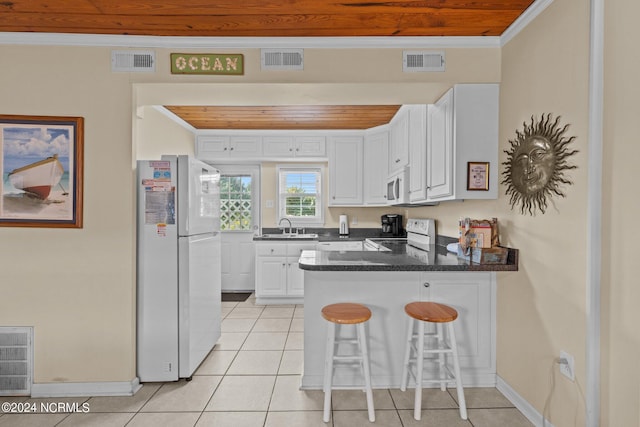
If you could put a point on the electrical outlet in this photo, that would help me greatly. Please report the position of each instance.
(567, 365)
(354, 220)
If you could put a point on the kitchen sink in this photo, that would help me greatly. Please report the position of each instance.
(294, 236)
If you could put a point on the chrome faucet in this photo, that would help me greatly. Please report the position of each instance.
(283, 229)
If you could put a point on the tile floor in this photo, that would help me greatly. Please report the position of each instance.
(251, 379)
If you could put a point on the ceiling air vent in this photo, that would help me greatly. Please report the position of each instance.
(143, 61)
(422, 61)
(282, 59)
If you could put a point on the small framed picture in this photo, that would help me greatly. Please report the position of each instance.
(478, 176)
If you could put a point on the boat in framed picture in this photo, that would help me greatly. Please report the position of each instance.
(41, 164)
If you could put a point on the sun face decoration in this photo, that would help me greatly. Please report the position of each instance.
(536, 163)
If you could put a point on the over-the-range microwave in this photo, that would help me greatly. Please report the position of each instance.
(398, 187)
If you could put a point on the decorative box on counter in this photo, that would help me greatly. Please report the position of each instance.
(495, 255)
(479, 242)
(479, 233)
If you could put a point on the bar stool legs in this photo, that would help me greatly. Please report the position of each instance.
(441, 315)
(346, 314)
(328, 370)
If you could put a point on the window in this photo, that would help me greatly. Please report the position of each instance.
(235, 203)
(300, 195)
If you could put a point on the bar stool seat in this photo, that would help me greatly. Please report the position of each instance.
(346, 314)
(423, 312)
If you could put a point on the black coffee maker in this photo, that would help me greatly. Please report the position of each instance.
(392, 225)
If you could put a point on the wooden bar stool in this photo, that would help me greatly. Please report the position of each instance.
(439, 314)
(346, 314)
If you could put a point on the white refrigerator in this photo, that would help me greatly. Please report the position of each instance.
(178, 266)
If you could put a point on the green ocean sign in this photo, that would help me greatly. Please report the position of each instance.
(207, 63)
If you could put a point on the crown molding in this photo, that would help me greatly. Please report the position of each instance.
(107, 40)
(523, 20)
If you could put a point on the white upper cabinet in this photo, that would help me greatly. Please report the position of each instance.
(462, 127)
(376, 168)
(440, 148)
(345, 170)
(310, 146)
(282, 146)
(417, 153)
(399, 140)
(225, 147)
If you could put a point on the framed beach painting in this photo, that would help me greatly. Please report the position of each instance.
(41, 160)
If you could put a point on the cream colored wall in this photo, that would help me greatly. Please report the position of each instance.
(77, 287)
(541, 309)
(620, 393)
(156, 135)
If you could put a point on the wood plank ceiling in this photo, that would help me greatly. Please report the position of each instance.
(267, 18)
(286, 117)
(263, 18)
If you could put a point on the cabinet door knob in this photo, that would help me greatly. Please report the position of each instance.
(225, 148)
(231, 148)
(271, 250)
(426, 284)
(284, 265)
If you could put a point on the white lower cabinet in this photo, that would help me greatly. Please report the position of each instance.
(471, 295)
(278, 277)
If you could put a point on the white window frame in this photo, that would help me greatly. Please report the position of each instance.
(254, 171)
(318, 220)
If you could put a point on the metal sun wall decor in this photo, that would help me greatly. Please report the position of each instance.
(536, 163)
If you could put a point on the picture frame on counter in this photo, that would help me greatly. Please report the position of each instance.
(42, 171)
(478, 176)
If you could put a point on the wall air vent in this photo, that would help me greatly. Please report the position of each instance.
(282, 59)
(142, 61)
(422, 61)
(16, 360)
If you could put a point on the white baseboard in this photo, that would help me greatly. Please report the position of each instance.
(523, 406)
(122, 388)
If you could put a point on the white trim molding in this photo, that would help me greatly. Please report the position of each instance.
(594, 212)
(108, 40)
(535, 417)
(122, 388)
(523, 20)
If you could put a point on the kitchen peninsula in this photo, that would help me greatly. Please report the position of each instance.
(385, 282)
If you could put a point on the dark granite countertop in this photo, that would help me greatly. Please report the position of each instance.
(329, 234)
(402, 257)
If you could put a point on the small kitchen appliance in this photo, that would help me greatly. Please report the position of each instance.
(344, 225)
(392, 225)
(398, 188)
